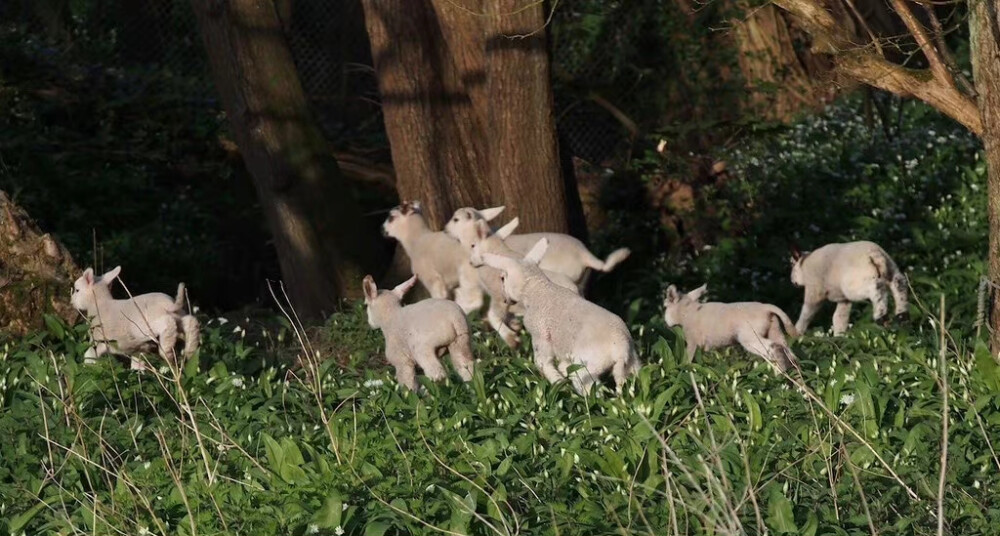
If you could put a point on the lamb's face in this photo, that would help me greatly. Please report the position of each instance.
(401, 218)
(462, 226)
(797, 279)
(82, 296)
(675, 303)
(513, 281)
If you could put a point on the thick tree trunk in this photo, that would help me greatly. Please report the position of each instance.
(467, 102)
(984, 25)
(311, 213)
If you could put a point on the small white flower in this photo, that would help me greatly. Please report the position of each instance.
(846, 399)
(373, 384)
(146, 465)
(237, 382)
(222, 320)
(312, 529)
(144, 531)
(338, 531)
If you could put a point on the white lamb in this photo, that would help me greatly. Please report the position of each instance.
(566, 255)
(566, 329)
(131, 325)
(416, 333)
(845, 273)
(753, 325)
(478, 239)
(438, 260)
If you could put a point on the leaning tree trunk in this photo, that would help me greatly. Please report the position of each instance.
(308, 207)
(36, 273)
(984, 26)
(467, 103)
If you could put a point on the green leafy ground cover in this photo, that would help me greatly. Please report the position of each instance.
(236, 443)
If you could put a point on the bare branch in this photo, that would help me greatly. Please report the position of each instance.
(938, 68)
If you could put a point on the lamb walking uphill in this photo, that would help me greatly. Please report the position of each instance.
(753, 325)
(846, 273)
(132, 325)
(565, 328)
(414, 334)
(438, 261)
(566, 254)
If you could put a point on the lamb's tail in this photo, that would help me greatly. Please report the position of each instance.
(181, 297)
(616, 257)
(786, 322)
(192, 334)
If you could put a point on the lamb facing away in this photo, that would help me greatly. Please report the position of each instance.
(414, 334)
(566, 255)
(438, 260)
(477, 239)
(128, 326)
(846, 273)
(753, 325)
(566, 329)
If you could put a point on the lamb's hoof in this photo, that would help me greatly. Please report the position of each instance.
(512, 341)
(903, 317)
(515, 324)
(884, 321)
(138, 366)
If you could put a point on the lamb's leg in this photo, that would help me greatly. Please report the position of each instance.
(495, 315)
(437, 288)
(774, 331)
(166, 334)
(428, 361)
(809, 310)
(841, 317)
(878, 293)
(690, 350)
(900, 295)
(784, 357)
(469, 295)
(406, 375)
(581, 378)
(545, 360)
(92, 353)
(461, 356)
(760, 346)
(192, 334)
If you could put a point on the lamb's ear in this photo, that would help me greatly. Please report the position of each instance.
(671, 296)
(697, 293)
(371, 291)
(491, 213)
(508, 229)
(537, 251)
(796, 253)
(88, 276)
(404, 287)
(482, 229)
(417, 207)
(111, 275)
(505, 264)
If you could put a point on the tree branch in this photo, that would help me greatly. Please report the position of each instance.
(938, 68)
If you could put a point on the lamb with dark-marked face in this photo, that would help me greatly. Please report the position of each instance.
(438, 260)
(754, 326)
(416, 333)
(845, 273)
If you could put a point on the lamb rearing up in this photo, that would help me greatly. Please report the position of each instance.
(754, 326)
(566, 329)
(438, 260)
(128, 326)
(566, 254)
(414, 334)
(846, 273)
(478, 239)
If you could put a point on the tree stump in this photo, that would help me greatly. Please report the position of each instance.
(36, 273)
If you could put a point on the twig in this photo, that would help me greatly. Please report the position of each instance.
(943, 378)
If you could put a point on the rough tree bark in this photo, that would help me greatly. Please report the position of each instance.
(36, 273)
(984, 26)
(308, 207)
(467, 103)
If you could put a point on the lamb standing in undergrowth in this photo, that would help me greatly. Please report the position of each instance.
(753, 325)
(478, 239)
(846, 273)
(414, 334)
(438, 260)
(131, 325)
(566, 255)
(565, 328)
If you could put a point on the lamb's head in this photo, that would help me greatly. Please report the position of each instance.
(675, 303)
(88, 289)
(380, 304)
(797, 259)
(478, 244)
(462, 225)
(404, 219)
(515, 274)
